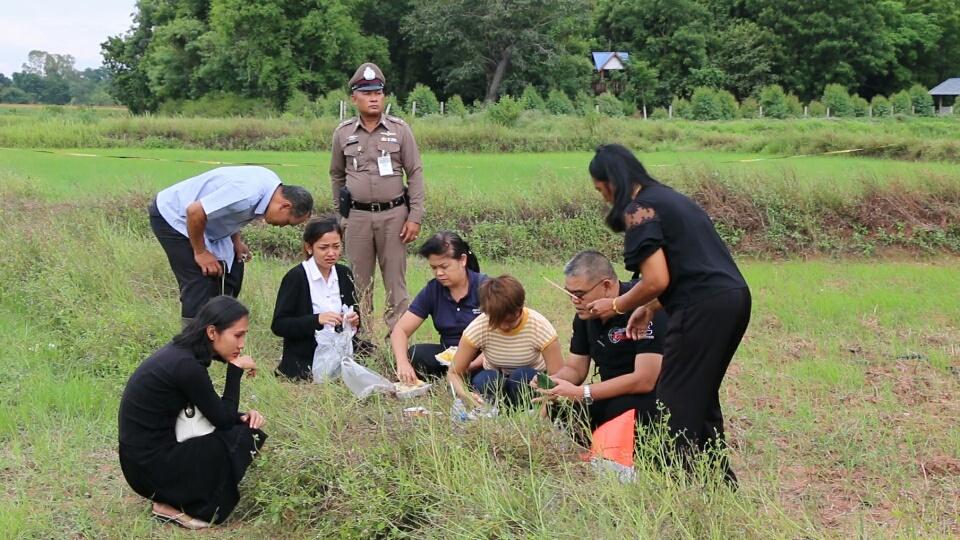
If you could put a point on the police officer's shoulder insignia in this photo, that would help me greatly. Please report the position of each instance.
(346, 122)
(396, 119)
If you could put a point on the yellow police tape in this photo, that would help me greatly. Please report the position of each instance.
(269, 164)
(147, 158)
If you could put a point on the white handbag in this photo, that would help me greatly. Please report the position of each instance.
(192, 423)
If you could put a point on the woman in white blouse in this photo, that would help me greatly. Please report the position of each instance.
(312, 296)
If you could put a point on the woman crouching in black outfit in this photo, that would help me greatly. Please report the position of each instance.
(687, 271)
(192, 483)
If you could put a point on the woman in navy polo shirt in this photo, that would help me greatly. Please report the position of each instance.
(451, 299)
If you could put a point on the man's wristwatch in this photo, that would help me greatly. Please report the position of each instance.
(587, 398)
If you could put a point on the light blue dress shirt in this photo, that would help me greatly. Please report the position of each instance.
(231, 197)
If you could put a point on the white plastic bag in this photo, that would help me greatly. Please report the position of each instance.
(327, 357)
(362, 381)
(332, 349)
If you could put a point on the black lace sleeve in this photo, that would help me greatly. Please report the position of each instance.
(643, 236)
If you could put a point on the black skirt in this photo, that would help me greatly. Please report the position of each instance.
(199, 476)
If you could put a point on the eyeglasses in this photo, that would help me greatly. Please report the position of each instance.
(580, 294)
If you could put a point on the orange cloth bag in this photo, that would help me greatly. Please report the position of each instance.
(614, 439)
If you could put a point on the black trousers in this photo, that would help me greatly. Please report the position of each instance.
(582, 420)
(423, 359)
(700, 342)
(195, 288)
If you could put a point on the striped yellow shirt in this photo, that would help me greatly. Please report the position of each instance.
(520, 347)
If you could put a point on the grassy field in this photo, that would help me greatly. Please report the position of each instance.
(915, 139)
(76, 173)
(842, 402)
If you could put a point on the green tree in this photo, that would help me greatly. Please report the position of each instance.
(558, 102)
(921, 101)
(484, 40)
(456, 107)
(881, 106)
(774, 102)
(609, 105)
(670, 35)
(531, 99)
(506, 112)
(426, 100)
(837, 100)
(901, 103)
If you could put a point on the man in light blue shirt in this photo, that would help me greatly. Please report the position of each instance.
(198, 224)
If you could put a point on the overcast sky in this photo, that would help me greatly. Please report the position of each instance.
(75, 27)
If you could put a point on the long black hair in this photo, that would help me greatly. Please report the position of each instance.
(619, 168)
(319, 226)
(222, 312)
(449, 244)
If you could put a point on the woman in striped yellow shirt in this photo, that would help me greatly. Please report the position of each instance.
(517, 343)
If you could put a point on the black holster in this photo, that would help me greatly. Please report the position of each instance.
(345, 200)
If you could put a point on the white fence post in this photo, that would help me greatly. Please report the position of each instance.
(441, 108)
(828, 112)
(413, 109)
(761, 111)
(341, 110)
(670, 112)
(804, 111)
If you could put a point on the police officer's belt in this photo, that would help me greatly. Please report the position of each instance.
(378, 206)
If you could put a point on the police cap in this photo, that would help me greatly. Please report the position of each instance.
(367, 77)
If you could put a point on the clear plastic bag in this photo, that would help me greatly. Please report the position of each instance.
(332, 349)
(362, 381)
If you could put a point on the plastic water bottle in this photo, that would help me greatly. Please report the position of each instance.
(458, 412)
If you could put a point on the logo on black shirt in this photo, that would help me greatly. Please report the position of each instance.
(616, 335)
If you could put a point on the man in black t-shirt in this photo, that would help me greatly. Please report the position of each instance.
(628, 368)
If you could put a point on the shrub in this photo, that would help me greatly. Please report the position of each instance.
(681, 108)
(393, 105)
(881, 106)
(456, 107)
(901, 103)
(794, 107)
(426, 100)
(530, 100)
(609, 105)
(711, 104)
(12, 94)
(558, 102)
(659, 113)
(219, 105)
(816, 109)
(505, 112)
(729, 107)
(774, 102)
(301, 106)
(859, 106)
(749, 108)
(836, 98)
(921, 101)
(584, 103)
(329, 105)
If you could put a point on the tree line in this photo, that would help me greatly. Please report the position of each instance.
(275, 50)
(53, 79)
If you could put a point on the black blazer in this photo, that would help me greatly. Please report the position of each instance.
(295, 322)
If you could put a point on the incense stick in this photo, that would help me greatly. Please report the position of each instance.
(568, 293)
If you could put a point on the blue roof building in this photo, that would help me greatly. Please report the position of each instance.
(947, 91)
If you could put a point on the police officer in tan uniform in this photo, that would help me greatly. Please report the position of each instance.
(371, 154)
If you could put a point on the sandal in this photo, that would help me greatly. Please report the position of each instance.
(183, 520)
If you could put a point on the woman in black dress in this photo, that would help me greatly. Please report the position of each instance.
(687, 271)
(311, 296)
(192, 483)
